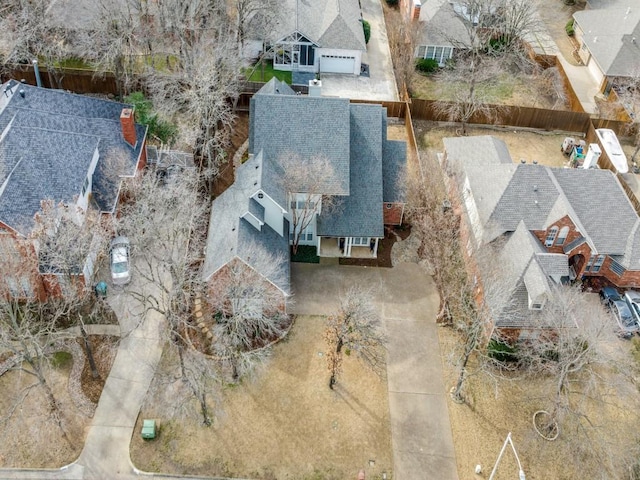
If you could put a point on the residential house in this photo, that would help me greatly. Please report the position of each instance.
(255, 213)
(609, 37)
(442, 28)
(63, 148)
(323, 36)
(554, 225)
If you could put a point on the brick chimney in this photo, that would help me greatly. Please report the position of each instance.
(127, 121)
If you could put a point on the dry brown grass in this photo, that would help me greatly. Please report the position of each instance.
(30, 438)
(528, 145)
(285, 423)
(582, 451)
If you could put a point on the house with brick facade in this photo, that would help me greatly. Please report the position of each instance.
(552, 225)
(66, 150)
(256, 212)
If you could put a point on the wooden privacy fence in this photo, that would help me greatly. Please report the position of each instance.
(75, 80)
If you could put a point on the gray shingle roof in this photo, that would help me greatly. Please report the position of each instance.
(553, 264)
(529, 197)
(394, 165)
(441, 27)
(609, 34)
(59, 111)
(304, 126)
(601, 205)
(360, 213)
(230, 236)
(35, 168)
(275, 87)
(328, 23)
(477, 150)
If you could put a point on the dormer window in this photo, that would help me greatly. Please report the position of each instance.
(562, 236)
(551, 236)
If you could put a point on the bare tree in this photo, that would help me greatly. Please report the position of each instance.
(199, 96)
(494, 37)
(165, 222)
(254, 19)
(305, 182)
(34, 37)
(403, 38)
(568, 348)
(248, 310)
(354, 328)
(628, 92)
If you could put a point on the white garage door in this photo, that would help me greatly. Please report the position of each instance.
(337, 64)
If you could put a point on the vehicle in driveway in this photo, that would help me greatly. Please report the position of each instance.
(608, 295)
(119, 261)
(632, 299)
(627, 324)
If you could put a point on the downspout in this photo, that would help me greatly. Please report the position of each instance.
(36, 71)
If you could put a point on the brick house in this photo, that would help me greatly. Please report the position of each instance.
(571, 224)
(256, 213)
(64, 149)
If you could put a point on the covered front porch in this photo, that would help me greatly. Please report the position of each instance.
(351, 247)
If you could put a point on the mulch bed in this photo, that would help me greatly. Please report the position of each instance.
(391, 236)
(226, 176)
(104, 352)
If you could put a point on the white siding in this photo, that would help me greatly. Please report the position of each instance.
(273, 213)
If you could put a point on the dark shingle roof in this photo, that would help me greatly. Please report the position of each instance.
(282, 125)
(394, 165)
(57, 112)
(35, 168)
(360, 213)
(275, 87)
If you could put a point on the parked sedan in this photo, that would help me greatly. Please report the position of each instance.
(609, 295)
(120, 261)
(626, 322)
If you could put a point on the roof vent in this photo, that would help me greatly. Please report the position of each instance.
(22, 92)
(260, 195)
(535, 162)
(535, 202)
(522, 160)
(5, 92)
(255, 184)
(535, 188)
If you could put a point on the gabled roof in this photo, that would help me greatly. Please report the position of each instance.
(539, 195)
(274, 87)
(612, 35)
(327, 23)
(442, 26)
(360, 213)
(35, 168)
(93, 120)
(231, 236)
(281, 125)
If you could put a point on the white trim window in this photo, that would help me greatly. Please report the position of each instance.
(562, 236)
(360, 241)
(440, 54)
(551, 236)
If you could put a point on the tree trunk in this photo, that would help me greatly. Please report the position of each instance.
(332, 380)
(87, 347)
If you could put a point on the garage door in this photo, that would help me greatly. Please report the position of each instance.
(337, 64)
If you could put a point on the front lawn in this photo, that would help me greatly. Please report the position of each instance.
(265, 72)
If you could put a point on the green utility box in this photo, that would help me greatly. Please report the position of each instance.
(149, 430)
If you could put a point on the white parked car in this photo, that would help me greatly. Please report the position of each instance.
(120, 262)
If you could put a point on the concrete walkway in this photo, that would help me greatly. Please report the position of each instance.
(106, 450)
(408, 302)
(381, 83)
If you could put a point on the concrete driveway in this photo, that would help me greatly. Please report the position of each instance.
(381, 83)
(408, 302)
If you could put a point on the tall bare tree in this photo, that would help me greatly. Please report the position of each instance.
(249, 312)
(354, 329)
(305, 182)
(403, 39)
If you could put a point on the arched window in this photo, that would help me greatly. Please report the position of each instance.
(551, 236)
(562, 236)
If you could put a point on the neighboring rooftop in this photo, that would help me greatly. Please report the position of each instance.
(88, 123)
(327, 23)
(612, 35)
